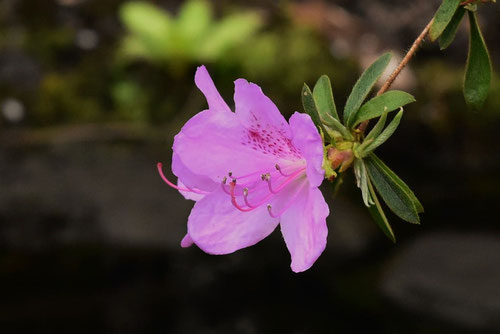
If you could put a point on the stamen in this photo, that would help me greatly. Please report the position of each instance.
(233, 198)
(278, 168)
(187, 189)
(224, 180)
(281, 186)
(245, 197)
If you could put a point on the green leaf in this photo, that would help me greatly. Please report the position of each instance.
(478, 70)
(378, 214)
(323, 96)
(443, 16)
(362, 181)
(364, 85)
(377, 128)
(311, 108)
(381, 165)
(192, 25)
(337, 126)
(229, 33)
(449, 33)
(151, 25)
(336, 184)
(382, 138)
(386, 102)
(396, 198)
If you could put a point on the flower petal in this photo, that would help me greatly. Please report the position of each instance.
(193, 196)
(307, 139)
(186, 241)
(256, 110)
(190, 179)
(217, 227)
(304, 228)
(205, 83)
(213, 144)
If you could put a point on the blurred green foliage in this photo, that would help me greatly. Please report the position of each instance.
(193, 36)
(142, 68)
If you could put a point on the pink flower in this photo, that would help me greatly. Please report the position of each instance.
(249, 171)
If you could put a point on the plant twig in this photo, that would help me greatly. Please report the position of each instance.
(406, 59)
(401, 66)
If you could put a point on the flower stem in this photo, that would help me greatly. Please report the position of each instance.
(409, 55)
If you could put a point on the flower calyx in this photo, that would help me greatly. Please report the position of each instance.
(338, 157)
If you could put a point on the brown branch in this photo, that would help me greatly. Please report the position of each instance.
(406, 59)
(409, 55)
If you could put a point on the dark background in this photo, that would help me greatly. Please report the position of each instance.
(89, 235)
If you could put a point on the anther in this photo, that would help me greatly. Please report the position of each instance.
(245, 191)
(224, 180)
(265, 177)
(230, 174)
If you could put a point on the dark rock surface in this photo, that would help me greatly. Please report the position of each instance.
(451, 277)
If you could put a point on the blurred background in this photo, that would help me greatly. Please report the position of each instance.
(91, 95)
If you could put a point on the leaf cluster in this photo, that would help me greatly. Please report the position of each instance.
(478, 69)
(344, 140)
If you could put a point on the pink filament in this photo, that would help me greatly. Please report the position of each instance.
(233, 199)
(281, 186)
(160, 171)
(266, 198)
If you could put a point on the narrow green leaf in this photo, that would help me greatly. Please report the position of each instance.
(362, 181)
(323, 96)
(382, 166)
(449, 33)
(394, 196)
(192, 24)
(386, 102)
(478, 70)
(443, 16)
(311, 108)
(377, 128)
(378, 214)
(382, 138)
(336, 184)
(144, 18)
(364, 85)
(336, 125)
(151, 27)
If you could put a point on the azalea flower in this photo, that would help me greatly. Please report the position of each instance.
(249, 171)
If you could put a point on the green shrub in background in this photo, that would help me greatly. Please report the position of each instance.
(193, 36)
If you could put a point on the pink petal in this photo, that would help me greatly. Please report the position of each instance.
(190, 179)
(254, 109)
(186, 241)
(307, 139)
(217, 227)
(205, 83)
(304, 228)
(193, 196)
(213, 144)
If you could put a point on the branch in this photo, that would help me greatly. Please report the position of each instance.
(416, 44)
